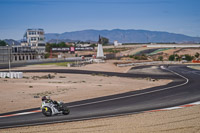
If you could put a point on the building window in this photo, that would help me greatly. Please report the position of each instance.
(41, 33)
(33, 39)
(41, 44)
(32, 33)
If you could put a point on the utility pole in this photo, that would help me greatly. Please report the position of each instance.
(9, 56)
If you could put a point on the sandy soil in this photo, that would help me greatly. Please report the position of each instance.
(181, 51)
(108, 66)
(195, 67)
(190, 51)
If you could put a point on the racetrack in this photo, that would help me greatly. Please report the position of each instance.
(184, 89)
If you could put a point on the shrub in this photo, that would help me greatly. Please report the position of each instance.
(160, 58)
(140, 57)
(188, 57)
(171, 57)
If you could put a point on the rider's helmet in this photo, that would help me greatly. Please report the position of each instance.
(48, 97)
(45, 98)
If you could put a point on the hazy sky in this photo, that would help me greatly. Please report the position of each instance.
(58, 16)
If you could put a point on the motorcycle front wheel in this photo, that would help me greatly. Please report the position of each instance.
(46, 111)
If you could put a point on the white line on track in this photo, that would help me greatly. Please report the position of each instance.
(78, 105)
(112, 99)
(106, 116)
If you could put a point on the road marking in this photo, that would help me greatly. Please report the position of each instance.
(98, 117)
(23, 113)
(112, 99)
(162, 67)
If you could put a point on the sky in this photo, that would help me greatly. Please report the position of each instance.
(59, 16)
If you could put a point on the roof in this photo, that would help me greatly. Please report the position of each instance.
(35, 29)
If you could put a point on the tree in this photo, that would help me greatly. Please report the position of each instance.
(140, 57)
(3, 43)
(171, 57)
(197, 55)
(160, 58)
(104, 40)
(131, 56)
(46, 55)
(48, 47)
(188, 57)
(93, 45)
(177, 57)
(62, 44)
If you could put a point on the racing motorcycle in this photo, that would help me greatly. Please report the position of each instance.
(50, 108)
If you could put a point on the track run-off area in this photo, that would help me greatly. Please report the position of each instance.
(183, 91)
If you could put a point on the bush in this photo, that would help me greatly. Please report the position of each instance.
(131, 56)
(189, 57)
(182, 57)
(160, 58)
(140, 57)
(3, 43)
(197, 55)
(46, 55)
(171, 57)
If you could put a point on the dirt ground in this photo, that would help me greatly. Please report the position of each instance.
(22, 94)
(195, 67)
(178, 51)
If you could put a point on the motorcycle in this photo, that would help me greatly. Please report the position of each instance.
(50, 108)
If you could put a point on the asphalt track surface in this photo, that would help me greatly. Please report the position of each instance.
(148, 51)
(184, 89)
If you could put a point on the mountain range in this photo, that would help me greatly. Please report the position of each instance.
(123, 36)
(12, 42)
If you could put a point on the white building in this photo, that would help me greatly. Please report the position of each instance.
(100, 53)
(117, 44)
(34, 38)
(18, 54)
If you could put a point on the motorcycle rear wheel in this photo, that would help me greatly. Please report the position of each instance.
(66, 111)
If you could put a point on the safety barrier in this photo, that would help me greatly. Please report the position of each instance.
(17, 75)
(195, 61)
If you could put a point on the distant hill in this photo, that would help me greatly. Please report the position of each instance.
(61, 40)
(11, 42)
(124, 36)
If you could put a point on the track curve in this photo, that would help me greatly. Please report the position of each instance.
(184, 89)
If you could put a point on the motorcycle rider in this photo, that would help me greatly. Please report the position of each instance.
(47, 99)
